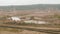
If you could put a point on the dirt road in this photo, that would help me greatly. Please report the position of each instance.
(38, 29)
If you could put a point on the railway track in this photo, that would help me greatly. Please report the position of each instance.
(49, 31)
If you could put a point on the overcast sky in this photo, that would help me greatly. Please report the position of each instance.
(28, 2)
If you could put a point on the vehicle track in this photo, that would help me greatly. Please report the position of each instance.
(34, 29)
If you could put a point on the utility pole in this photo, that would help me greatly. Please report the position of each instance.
(48, 10)
(14, 10)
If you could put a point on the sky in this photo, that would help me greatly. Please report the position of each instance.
(27, 2)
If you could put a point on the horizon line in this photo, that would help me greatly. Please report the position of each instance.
(30, 4)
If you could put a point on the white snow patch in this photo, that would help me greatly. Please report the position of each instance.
(15, 18)
(36, 22)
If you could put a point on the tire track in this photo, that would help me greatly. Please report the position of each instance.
(34, 29)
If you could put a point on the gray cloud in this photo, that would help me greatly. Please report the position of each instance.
(28, 2)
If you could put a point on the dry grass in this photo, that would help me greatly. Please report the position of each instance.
(53, 19)
(11, 29)
(17, 31)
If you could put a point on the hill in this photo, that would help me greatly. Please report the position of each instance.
(30, 7)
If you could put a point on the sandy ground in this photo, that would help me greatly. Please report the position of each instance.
(23, 32)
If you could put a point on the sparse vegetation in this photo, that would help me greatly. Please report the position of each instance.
(32, 18)
(48, 13)
(52, 19)
(11, 29)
